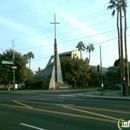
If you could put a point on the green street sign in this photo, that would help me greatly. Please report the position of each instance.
(7, 62)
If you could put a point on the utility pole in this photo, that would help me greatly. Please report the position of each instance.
(122, 57)
(13, 69)
(125, 42)
(101, 71)
(55, 47)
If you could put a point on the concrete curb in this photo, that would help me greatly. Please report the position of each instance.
(108, 97)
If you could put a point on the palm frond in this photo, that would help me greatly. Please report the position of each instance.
(113, 13)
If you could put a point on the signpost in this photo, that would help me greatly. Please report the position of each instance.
(13, 67)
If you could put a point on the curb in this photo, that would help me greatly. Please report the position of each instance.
(107, 97)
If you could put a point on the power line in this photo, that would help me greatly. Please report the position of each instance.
(66, 24)
(70, 40)
(37, 47)
(67, 32)
(47, 30)
(93, 44)
(41, 59)
(71, 31)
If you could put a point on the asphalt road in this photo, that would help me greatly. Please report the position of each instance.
(60, 111)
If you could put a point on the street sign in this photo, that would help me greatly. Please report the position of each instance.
(14, 67)
(7, 62)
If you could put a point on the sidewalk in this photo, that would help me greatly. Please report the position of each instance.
(106, 94)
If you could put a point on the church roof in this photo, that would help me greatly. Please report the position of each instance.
(45, 72)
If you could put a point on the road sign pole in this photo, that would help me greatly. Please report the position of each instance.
(13, 69)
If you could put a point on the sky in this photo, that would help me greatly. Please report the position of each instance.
(27, 22)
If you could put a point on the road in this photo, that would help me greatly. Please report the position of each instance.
(60, 111)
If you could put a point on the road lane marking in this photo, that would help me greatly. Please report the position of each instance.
(98, 109)
(65, 104)
(22, 104)
(34, 127)
(51, 100)
(70, 99)
(38, 102)
(91, 113)
(63, 113)
(48, 103)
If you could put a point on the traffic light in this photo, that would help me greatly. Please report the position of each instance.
(98, 69)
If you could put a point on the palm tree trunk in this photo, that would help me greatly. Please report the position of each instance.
(125, 41)
(29, 63)
(89, 56)
(122, 57)
(81, 55)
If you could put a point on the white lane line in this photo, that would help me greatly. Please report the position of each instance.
(32, 126)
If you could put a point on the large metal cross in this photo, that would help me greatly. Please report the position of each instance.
(55, 25)
(55, 47)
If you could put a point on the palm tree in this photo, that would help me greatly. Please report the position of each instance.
(37, 71)
(86, 59)
(114, 4)
(30, 56)
(125, 41)
(119, 5)
(90, 48)
(81, 47)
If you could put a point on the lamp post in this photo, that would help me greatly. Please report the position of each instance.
(101, 71)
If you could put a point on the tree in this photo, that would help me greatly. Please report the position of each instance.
(117, 63)
(81, 47)
(30, 56)
(22, 73)
(114, 4)
(94, 76)
(37, 71)
(86, 59)
(75, 69)
(113, 75)
(119, 5)
(125, 41)
(89, 48)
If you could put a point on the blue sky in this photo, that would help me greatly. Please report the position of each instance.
(28, 23)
